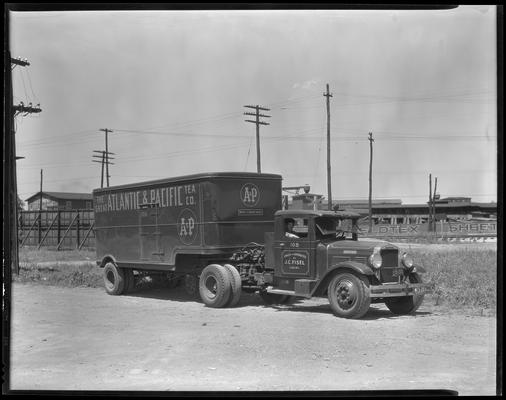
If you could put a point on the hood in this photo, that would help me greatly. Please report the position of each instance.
(364, 244)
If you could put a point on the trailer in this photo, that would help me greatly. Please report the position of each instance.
(224, 233)
(180, 225)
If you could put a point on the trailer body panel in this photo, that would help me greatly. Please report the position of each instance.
(152, 223)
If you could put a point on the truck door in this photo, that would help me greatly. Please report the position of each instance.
(295, 256)
(149, 232)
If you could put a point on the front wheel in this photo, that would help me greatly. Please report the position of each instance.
(408, 304)
(215, 286)
(349, 295)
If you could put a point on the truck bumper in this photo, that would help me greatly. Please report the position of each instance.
(402, 289)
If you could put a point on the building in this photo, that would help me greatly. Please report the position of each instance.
(392, 211)
(60, 201)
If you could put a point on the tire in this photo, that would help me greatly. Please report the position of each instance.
(129, 280)
(215, 286)
(114, 279)
(274, 298)
(408, 304)
(349, 295)
(235, 287)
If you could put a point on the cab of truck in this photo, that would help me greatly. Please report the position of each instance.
(323, 255)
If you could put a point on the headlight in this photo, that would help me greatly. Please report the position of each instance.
(407, 260)
(375, 260)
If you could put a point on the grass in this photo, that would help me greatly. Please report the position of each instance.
(465, 277)
(70, 268)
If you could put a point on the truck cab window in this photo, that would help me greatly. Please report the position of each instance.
(335, 228)
(296, 228)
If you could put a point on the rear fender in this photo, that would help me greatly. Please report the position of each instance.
(348, 266)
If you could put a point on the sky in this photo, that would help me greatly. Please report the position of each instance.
(172, 86)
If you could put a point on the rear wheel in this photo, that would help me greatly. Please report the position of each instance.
(349, 295)
(236, 285)
(114, 279)
(407, 304)
(215, 286)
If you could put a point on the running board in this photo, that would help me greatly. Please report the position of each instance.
(270, 289)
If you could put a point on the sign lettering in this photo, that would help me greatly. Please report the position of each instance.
(172, 196)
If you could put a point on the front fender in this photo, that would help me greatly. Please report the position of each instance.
(349, 266)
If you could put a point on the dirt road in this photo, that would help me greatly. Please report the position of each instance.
(84, 339)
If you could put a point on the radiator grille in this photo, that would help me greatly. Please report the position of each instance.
(390, 268)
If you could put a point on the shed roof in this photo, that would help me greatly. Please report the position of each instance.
(63, 196)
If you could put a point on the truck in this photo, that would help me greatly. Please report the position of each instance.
(225, 233)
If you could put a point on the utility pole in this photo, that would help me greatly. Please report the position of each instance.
(434, 205)
(257, 121)
(40, 208)
(370, 181)
(107, 153)
(10, 209)
(329, 186)
(430, 202)
(102, 161)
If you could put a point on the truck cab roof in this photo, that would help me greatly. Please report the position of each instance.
(316, 213)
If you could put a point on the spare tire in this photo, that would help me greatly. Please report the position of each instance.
(215, 286)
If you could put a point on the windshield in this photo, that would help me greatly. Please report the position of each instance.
(336, 228)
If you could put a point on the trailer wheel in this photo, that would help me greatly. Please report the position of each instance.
(408, 304)
(114, 279)
(349, 295)
(236, 285)
(215, 285)
(274, 298)
(129, 280)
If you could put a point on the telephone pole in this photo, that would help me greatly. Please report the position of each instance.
(107, 153)
(329, 186)
(10, 210)
(370, 181)
(257, 121)
(101, 155)
(432, 203)
(40, 207)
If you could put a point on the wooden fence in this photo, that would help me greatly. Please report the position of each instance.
(62, 229)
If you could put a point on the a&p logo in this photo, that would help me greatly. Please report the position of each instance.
(187, 226)
(250, 195)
